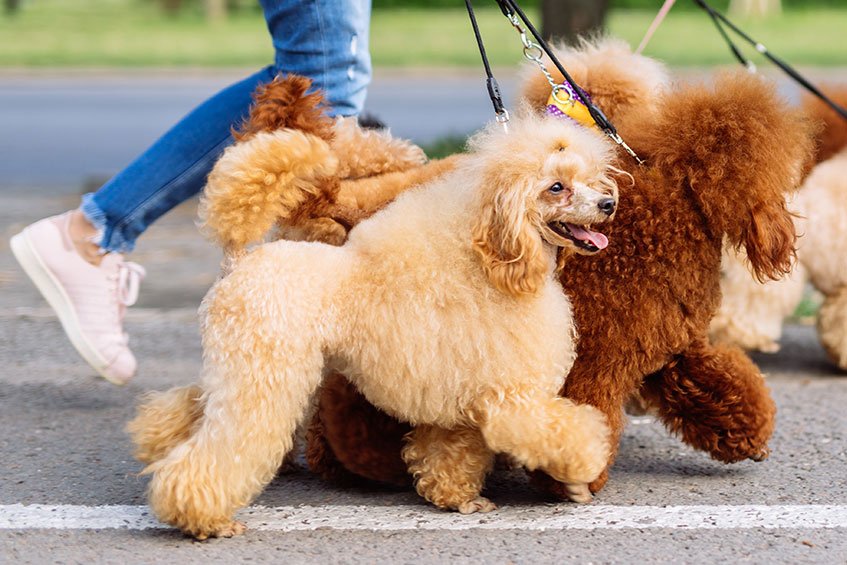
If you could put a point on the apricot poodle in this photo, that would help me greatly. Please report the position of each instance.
(442, 309)
(720, 159)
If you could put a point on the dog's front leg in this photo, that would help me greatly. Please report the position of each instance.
(568, 441)
(449, 467)
(254, 401)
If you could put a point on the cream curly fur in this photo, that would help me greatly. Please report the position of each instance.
(364, 153)
(442, 308)
(823, 249)
(752, 313)
(260, 183)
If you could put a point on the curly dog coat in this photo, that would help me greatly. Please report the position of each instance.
(443, 309)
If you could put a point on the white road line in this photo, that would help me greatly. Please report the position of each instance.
(409, 517)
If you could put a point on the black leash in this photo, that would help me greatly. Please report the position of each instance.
(510, 8)
(516, 15)
(720, 20)
(500, 113)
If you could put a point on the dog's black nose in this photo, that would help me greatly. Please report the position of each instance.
(607, 206)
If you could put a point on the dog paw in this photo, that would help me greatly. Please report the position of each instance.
(227, 530)
(479, 504)
(578, 492)
(761, 455)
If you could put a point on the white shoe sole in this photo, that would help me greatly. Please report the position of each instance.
(58, 299)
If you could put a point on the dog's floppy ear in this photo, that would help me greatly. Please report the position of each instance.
(769, 238)
(504, 237)
(740, 150)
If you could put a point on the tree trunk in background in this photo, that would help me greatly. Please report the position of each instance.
(755, 8)
(11, 6)
(215, 10)
(171, 7)
(569, 19)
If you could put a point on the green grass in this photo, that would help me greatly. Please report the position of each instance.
(807, 310)
(445, 146)
(134, 33)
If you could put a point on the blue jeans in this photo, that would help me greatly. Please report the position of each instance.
(325, 40)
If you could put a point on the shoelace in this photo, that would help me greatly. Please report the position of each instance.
(129, 280)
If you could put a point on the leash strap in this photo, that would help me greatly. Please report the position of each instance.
(721, 20)
(500, 113)
(513, 11)
(657, 21)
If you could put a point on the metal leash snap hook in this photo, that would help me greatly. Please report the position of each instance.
(557, 89)
(502, 118)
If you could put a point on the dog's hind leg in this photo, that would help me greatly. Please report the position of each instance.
(832, 326)
(165, 420)
(716, 399)
(449, 467)
(247, 428)
(258, 381)
(569, 442)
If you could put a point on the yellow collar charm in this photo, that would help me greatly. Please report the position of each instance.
(570, 107)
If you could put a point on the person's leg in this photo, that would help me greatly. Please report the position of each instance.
(327, 41)
(171, 170)
(63, 254)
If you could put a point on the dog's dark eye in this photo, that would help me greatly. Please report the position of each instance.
(556, 188)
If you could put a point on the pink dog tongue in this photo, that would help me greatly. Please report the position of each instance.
(599, 240)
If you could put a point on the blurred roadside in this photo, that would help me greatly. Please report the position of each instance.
(86, 86)
(74, 131)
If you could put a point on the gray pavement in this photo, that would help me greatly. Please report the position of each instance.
(63, 441)
(63, 445)
(59, 130)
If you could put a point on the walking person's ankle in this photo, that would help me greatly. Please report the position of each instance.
(83, 234)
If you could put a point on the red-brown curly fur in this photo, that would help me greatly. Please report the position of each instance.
(283, 103)
(718, 162)
(833, 134)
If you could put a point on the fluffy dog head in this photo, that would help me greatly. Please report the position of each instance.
(547, 180)
(739, 150)
(619, 82)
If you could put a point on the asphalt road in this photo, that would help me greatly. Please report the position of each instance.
(63, 445)
(59, 131)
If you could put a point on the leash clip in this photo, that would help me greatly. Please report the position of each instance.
(617, 139)
(502, 118)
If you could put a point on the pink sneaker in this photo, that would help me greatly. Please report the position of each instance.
(89, 300)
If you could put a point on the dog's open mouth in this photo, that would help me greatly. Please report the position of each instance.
(582, 236)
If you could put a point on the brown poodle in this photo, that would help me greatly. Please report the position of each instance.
(720, 160)
(752, 313)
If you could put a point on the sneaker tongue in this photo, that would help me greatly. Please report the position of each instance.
(111, 261)
(596, 238)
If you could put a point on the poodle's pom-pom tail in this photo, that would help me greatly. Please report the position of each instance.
(832, 137)
(739, 148)
(832, 327)
(261, 181)
(286, 102)
(165, 420)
